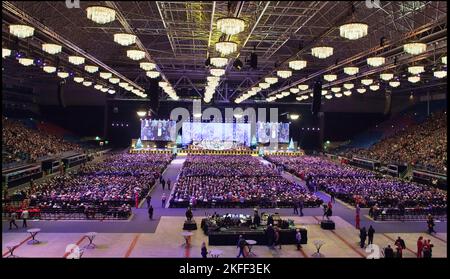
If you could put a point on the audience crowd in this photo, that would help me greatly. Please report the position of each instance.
(230, 180)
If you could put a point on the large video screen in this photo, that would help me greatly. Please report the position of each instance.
(157, 130)
(228, 132)
(271, 131)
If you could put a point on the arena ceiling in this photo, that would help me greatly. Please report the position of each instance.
(179, 36)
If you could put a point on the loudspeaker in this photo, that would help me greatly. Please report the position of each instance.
(327, 225)
(153, 88)
(61, 93)
(253, 60)
(317, 95)
(190, 225)
(387, 103)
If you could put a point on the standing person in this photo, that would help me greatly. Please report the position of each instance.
(388, 252)
(149, 200)
(362, 237)
(12, 220)
(163, 184)
(270, 235)
(430, 223)
(295, 208)
(300, 206)
(277, 237)
(332, 197)
(400, 245)
(357, 217)
(168, 184)
(370, 234)
(204, 251)
(298, 239)
(420, 245)
(241, 245)
(150, 212)
(329, 212)
(189, 214)
(325, 210)
(429, 247)
(163, 200)
(25, 215)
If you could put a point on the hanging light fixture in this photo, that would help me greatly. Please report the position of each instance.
(264, 85)
(87, 83)
(367, 81)
(440, 74)
(348, 85)
(76, 60)
(152, 74)
(162, 84)
(415, 70)
(303, 87)
(226, 47)
(297, 64)
(111, 91)
(147, 66)
(230, 25)
(63, 74)
(330, 77)
(347, 93)
(271, 80)
(124, 39)
(338, 95)
(387, 76)
(100, 14)
(324, 92)
(361, 90)
(351, 70)
(294, 90)
(376, 61)
(444, 60)
(21, 31)
(104, 89)
(219, 61)
(217, 72)
(6, 52)
(105, 75)
(374, 87)
(285, 93)
(279, 96)
(335, 89)
(284, 73)
(414, 79)
(98, 86)
(91, 69)
(51, 48)
(114, 80)
(328, 96)
(415, 48)
(256, 89)
(394, 83)
(26, 61)
(123, 84)
(213, 79)
(354, 30)
(322, 52)
(135, 54)
(78, 79)
(49, 69)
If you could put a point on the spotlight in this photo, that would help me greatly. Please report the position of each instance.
(238, 64)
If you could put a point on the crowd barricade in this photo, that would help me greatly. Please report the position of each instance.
(409, 214)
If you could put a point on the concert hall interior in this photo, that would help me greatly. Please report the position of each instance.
(224, 129)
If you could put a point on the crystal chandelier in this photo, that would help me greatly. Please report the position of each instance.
(104, 89)
(353, 31)
(386, 76)
(78, 79)
(297, 64)
(440, 74)
(51, 48)
(63, 74)
(76, 60)
(21, 31)
(101, 15)
(284, 73)
(347, 93)
(279, 96)
(124, 39)
(129, 88)
(152, 74)
(328, 96)
(285, 93)
(324, 92)
(303, 87)
(26, 61)
(271, 80)
(264, 85)
(415, 70)
(348, 85)
(217, 72)
(230, 25)
(415, 48)
(444, 60)
(374, 87)
(111, 91)
(147, 66)
(322, 52)
(338, 95)
(219, 61)
(376, 61)
(105, 75)
(367, 81)
(414, 79)
(98, 86)
(226, 47)
(123, 84)
(394, 83)
(87, 83)
(351, 70)
(294, 90)
(91, 69)
(6, 52)
(49, 69)
(114, 80)
(135, 54)
(335, 89)
(361, 90)
(329, 77)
